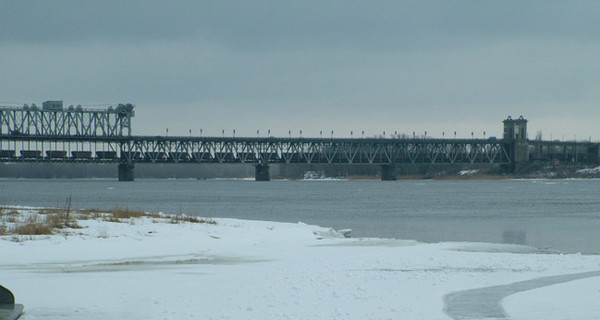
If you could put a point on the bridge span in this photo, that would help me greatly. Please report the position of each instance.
(76, 135)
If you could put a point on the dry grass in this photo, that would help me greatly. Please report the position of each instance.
(85, 214)
(43, 222)
(33, 227)
(48, 220)
(8, 212)
(49, 211)
(113, 215)
(192, 219)
(127, 214)
(58, 218)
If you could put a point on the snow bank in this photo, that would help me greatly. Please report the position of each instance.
(148, 268)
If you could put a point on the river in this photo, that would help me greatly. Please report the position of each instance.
(557, 215)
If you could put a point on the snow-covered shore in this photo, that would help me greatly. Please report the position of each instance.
(149, 268)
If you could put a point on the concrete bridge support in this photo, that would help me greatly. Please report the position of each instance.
(388, 172)
(261, 172)
(126, 172)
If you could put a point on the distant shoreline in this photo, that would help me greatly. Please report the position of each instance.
(298, 171)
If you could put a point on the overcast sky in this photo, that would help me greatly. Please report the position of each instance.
(435, 66)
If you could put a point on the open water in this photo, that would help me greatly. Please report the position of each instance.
(560, 215)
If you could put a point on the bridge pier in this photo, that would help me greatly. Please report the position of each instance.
(261, 172)
(126, 172)
(387, 172)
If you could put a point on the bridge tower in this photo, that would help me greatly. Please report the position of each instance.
(515, 135)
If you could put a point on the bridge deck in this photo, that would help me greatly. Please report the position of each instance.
(159, 149)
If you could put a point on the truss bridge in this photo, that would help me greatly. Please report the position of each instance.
(73, 134)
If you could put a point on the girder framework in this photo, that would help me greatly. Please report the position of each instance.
(32, 121)
(134, 149)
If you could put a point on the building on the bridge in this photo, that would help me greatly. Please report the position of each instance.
(52, 105)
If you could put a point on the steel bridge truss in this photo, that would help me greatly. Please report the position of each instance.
(140, 149)
(32, 121)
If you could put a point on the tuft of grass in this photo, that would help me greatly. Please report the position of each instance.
(11, 219)
(8, 211)
(154, 215)
(126, 213)
(85, 214)
(192, 219)
(34, 227)
(58, 218)
(51, 211)
(48, 221)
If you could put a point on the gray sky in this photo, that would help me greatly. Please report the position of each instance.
(312, 65)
